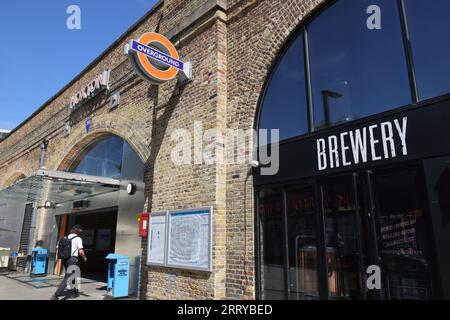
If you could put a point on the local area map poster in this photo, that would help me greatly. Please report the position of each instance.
(157, 239)
(190, 238)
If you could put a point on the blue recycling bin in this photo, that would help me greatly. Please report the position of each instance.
(118, 275)
(39, 261)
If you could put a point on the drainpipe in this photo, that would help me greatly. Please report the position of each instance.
(43, 147)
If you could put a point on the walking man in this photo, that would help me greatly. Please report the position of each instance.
(69, 249)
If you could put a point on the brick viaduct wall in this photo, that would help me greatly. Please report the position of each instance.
(257, 31)
(232, 45)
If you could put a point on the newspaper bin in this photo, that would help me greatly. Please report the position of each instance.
(118, 275)
(39, 261)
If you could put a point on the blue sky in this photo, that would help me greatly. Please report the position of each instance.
(39, 55)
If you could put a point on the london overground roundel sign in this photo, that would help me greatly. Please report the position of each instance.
(156, 59)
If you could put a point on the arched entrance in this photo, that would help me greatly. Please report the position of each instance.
(358, 186)
(104, 209)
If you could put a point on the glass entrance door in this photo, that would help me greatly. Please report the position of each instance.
(318, 238)
(271, 254)
(302, 243)
(404, 235)
(344, 238)
(378, 220)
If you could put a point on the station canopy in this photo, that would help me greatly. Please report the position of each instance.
(58, 187)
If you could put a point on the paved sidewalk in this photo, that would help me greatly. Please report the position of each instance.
(20, 286)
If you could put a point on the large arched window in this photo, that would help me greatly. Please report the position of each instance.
(364, 57)
(355, 71)
(285, 103)
(103, 158)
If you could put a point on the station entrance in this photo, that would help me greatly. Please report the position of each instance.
(99, 239)
(93, 192)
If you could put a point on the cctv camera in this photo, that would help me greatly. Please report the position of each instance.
(255, 164)
(49, 205)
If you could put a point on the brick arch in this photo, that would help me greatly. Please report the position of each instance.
(81, 141)
(13, 178)
(251, 58)
(267, 48)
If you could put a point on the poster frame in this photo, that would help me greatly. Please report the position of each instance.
(158, 214)
(210, 239)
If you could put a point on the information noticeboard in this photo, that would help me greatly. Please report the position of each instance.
(189, 244)
(156, 251)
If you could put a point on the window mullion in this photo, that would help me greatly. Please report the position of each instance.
(408, 51)
(308, 80)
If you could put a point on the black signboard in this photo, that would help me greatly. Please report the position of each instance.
(402, 135)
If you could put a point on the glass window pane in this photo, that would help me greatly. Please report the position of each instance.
(341, 240)
(404, 237)
(303, 263)
(93, 166)
(356, 72)
(285, 106)
(271, 241)
(429, 27)
(104, 159)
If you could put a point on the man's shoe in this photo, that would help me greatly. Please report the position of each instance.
(75, 295)
(54, 297)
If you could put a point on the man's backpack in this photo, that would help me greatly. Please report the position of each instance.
(65, 248)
